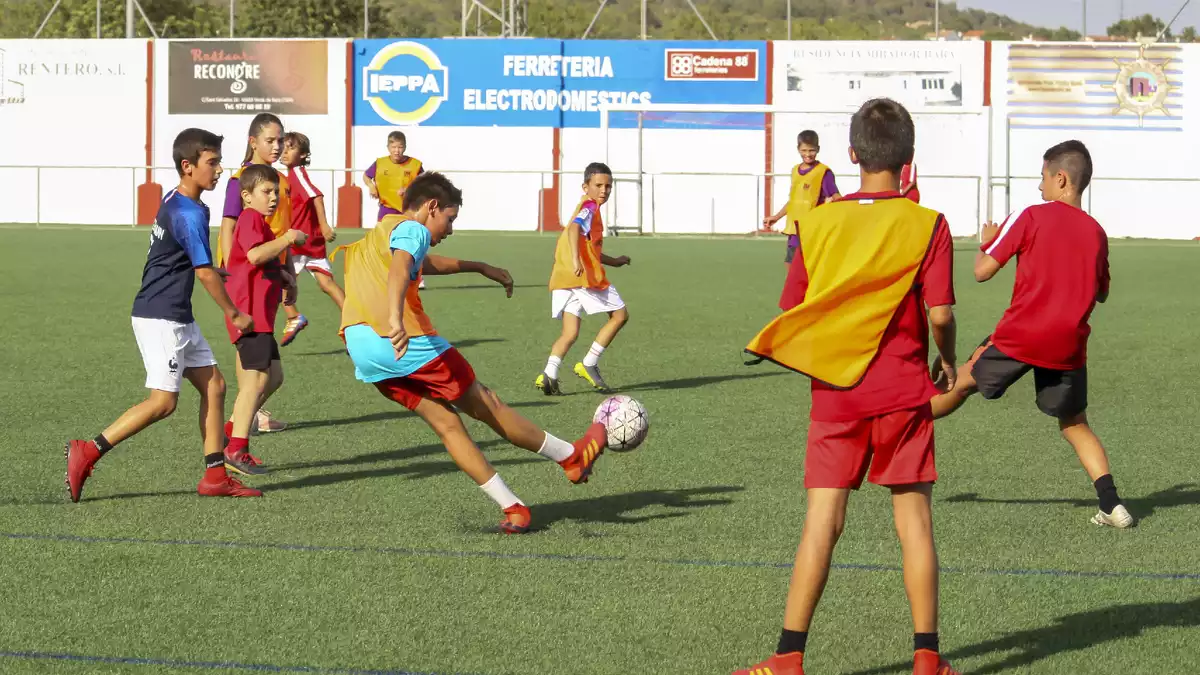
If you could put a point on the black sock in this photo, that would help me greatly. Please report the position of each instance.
(102, 444)
(792, 641)
(925, 641)
(1107, 492)
(217, 459)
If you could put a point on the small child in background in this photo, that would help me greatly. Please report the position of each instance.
(308, 216)
(813, 184)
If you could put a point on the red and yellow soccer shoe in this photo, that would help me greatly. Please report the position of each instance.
(292, 328)
(779, 664)
(517, 519)
(587, 450)
(926, 662)
(225, 487)
(81, 458)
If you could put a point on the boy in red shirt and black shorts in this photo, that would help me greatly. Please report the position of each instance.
(258, 276)
(1062, 272)
(872, 275)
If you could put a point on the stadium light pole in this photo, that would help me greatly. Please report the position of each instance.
(937, 19)
(789, 20)
(231, 14)
(97, 19)
(129, 18)
(366, 19)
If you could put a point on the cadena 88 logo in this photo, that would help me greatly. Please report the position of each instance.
(405, 83)
(681, 65)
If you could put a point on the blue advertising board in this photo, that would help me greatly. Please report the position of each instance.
(550, 83)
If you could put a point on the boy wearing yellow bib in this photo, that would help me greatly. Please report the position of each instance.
(813, 184)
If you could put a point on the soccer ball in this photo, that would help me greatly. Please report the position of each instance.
(626, 420)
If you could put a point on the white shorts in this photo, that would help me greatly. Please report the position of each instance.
(168, 348)
(579, 300)
(315, 266)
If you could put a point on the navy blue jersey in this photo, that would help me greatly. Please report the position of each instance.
(178, 245)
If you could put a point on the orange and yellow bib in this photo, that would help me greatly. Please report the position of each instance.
(280, 221)
(390, 178)
(562, 276)
(366, 279)
(805, 194)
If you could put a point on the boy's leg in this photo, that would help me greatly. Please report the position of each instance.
(609, 301)
(913, 513)
(577, 459)
(547, 380)
(158, 406)
(823, 524)
(964, 386)
(252, 377)
(216, 482)
(331, 288)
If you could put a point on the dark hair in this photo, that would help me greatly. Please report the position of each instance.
(1073, 159)
(261, 121)
(191, 143)
(808, 137)
(432, 185)
(596, 168)
(257, 173)
(882, 136)
(300, 141)
(398, 136)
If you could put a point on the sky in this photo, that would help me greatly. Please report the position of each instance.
(1100, 13)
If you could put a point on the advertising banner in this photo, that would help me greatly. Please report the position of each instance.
(832, 75)
(546, 83)
(235, 77)
(1112, 87)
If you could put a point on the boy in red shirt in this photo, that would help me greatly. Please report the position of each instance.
(1062, 272)
(256, 283)
(308, 216)
(866, 268)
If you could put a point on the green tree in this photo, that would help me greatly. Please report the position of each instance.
(1188, 34)
(1146, 25)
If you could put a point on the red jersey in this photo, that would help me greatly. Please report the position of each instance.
(908, 176)
(304, 213)
(255, 290)
(1062, 266)
(898, 378)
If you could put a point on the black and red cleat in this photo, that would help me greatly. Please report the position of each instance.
(227, 486)
(81, 459)
(517, 519)
(587, 450)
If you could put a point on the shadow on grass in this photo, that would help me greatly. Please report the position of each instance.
(1070, 633)
(385, 456)
(399, 413)
(622, 508)
(331, 352)
(411, 471)
(694, 382)
(1184, 494)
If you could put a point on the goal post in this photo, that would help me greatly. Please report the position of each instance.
(726, 180)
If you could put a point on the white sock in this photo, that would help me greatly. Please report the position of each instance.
(499, 492)
(552, 365)
(593, 356)
(556, 449)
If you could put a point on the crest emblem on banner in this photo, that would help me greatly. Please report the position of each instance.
(1141, 86)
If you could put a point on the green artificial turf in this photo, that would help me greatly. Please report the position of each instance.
(372, 553)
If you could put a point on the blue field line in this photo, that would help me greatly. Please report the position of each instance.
(199, 665)
(564, 557)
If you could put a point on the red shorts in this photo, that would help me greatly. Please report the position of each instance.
(446, 378)
(896, 447)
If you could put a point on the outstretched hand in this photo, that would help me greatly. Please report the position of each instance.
(500, 276)
(990, 232)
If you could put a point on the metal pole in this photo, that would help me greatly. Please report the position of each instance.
(643, 19)
(129, 18)
(366, 19)
(789, 19)
(937, 19)
(641, 174)
(231, 13)
(47, 19)
(97, 19)
(1084, 4)
(465, 14)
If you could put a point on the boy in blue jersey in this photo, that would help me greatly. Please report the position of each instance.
(170, 342)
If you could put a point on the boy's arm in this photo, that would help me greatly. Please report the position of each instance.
(829, 187)
(573, 233)
(369, 181)
(1001, 243)
(225, 237)
(193, 236)
(215, 285)
(937, 293)
(436, 265)
(326, 230)
(264, 253)
(1105, 275)
(399, 273)
(619, 261)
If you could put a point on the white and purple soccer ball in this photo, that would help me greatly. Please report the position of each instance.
(626, 421)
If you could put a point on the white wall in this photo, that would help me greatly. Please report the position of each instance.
(327, 132)
(485, 162)
(78, 104)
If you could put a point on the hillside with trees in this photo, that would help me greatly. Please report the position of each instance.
(668, 19)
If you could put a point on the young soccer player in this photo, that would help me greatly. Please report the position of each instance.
(908, 182)
(167, 335)
(1062, 272)
(256, 284)
(308, 216)
(866, 269)
(578, 284)
(262, 148)
(813, 184)
(394, 346)
(389, 177)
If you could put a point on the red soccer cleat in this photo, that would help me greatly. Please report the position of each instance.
(926, 662)
(292, 328)
(516, 519)
(587, 450)
(227, 486)
(81, 459)
(779, 664)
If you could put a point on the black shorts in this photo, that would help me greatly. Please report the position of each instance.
(1060, 393)
(257, 350)
(791, 254)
